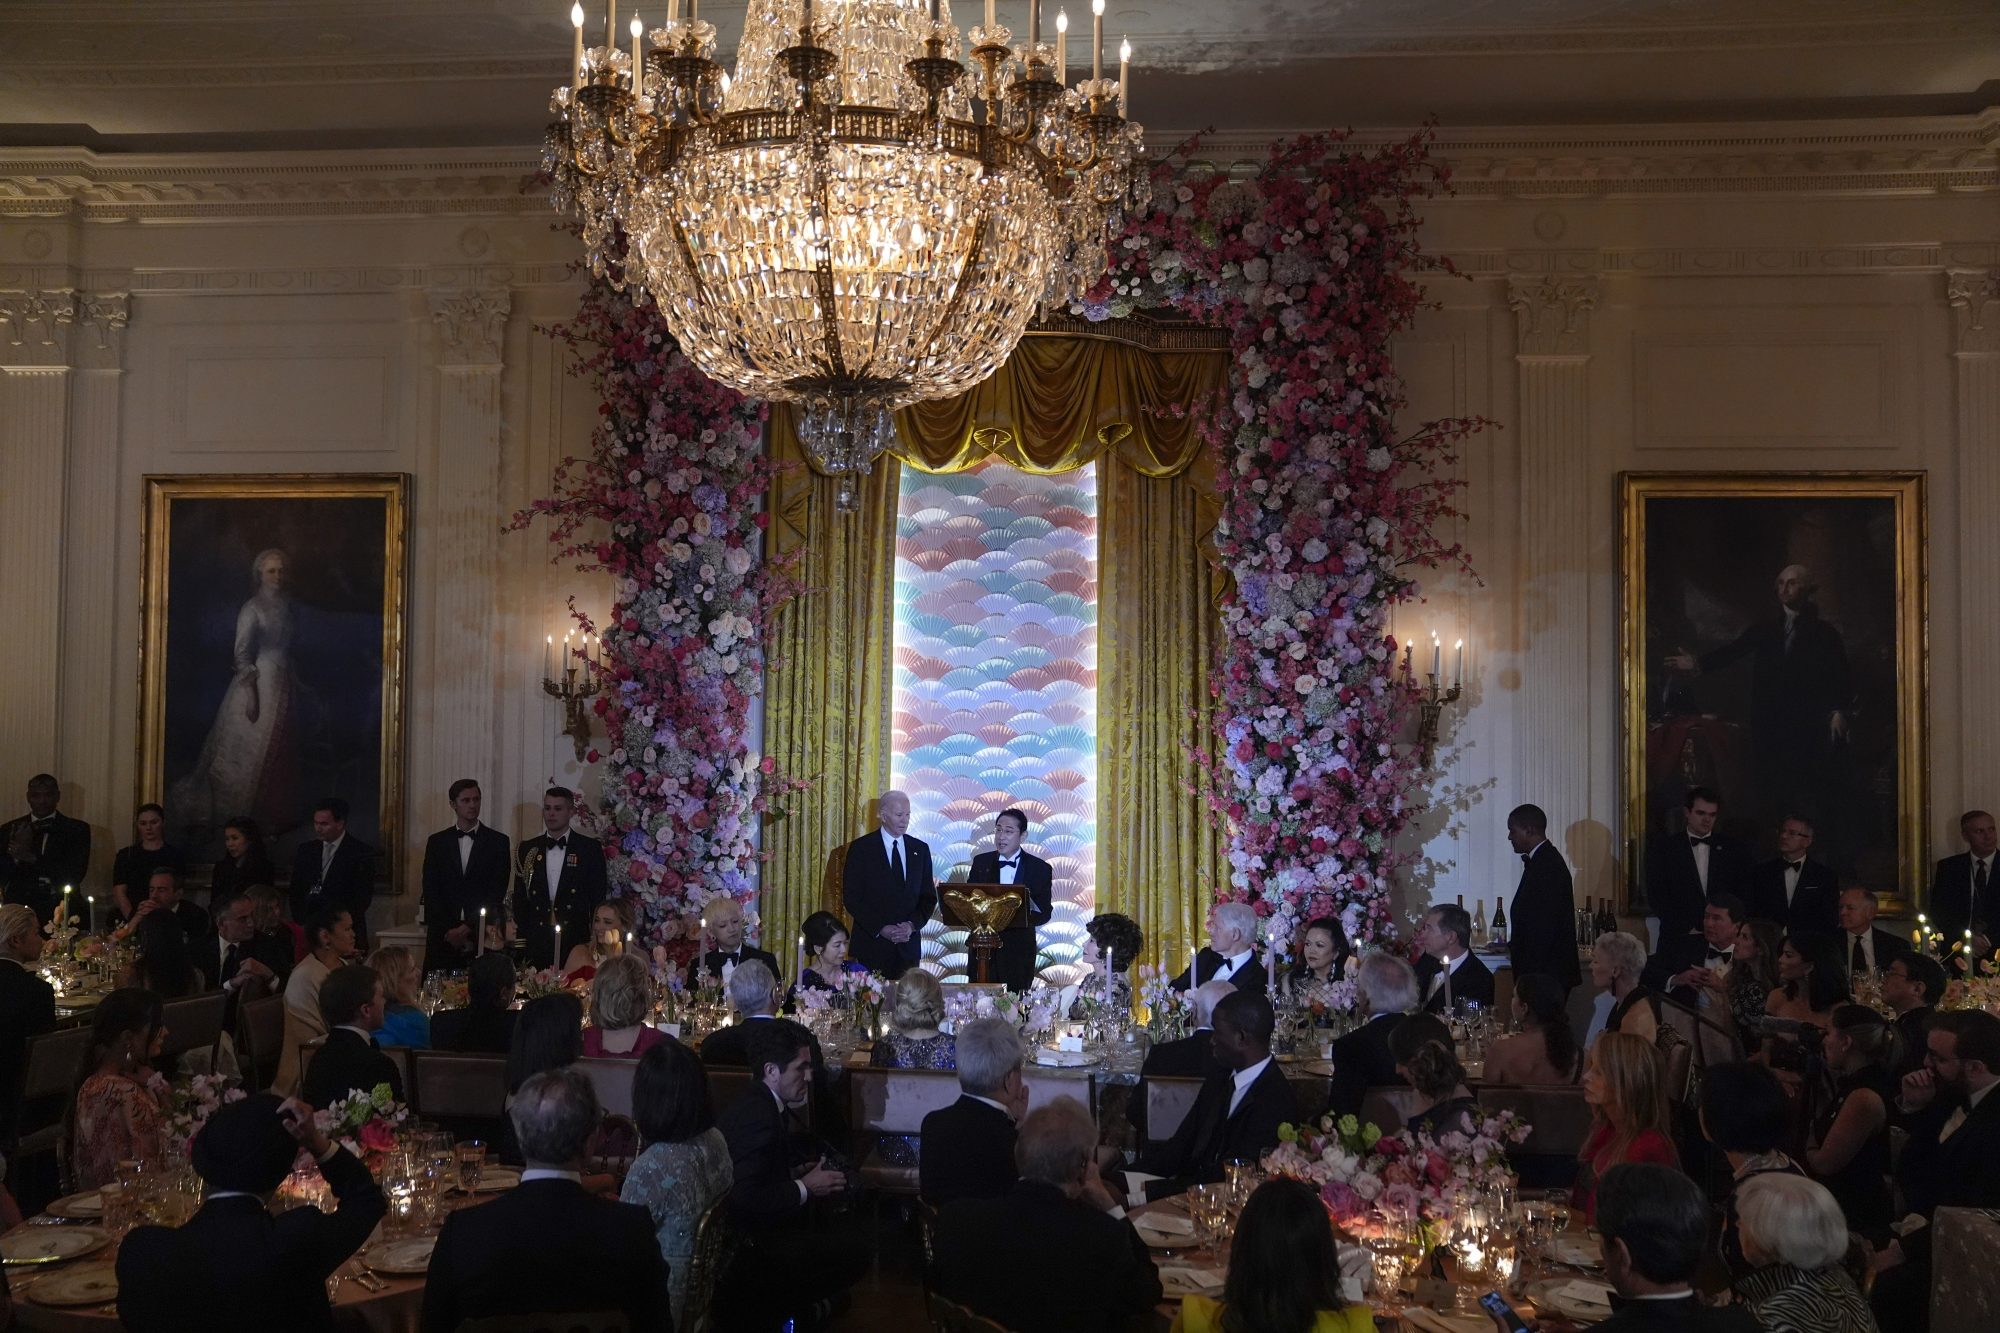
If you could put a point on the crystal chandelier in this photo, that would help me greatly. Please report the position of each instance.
(846, 225)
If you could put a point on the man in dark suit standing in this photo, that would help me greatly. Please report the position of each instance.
(966, 1150)
(1447, 972)
(561, 878)
(549, 1246)
(334, 867)
(1239, 1109)
(1964, 892)
(723, 919)
(1792, 889)
(1010, 863)
(240, 960)
(1683, 869)
(235, 1266)
(27, 1009)
(890, 891)
(1541, 930)
(1231, 954)
(1864, 946)
(1653, 1232)
(350, 1063)
(1361, 1059)
(466, 867)
(43, 850)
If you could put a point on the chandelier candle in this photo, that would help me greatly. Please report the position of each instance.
(1124, 71)
(638, 69)
(576, 59)
(1034, 24)
(1097, 40)
(1062, 46)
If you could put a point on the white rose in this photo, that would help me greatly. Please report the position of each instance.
(1306, 684)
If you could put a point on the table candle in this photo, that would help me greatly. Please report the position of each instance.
(482, 931)
(89, 913)
(799, 968)
(62, 908)
(559, 952)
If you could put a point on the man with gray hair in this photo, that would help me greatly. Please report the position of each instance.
(1361, 1059)
(1091, 1270)
(549, 1245)
(889, 889)
(967, 1148)
(1231, 954)
(1192, 1056)
(753, 994)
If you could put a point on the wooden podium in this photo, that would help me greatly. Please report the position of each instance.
(983, 910)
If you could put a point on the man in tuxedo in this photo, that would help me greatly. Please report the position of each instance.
(42, 850)
(236, 1266)
(1652, 1231)
(1010, 863)
(754, 994)
(1387, 990)
(1864, 946)
(1541, 930)
(466, 867)
(1792, 889)
(890, 891)
(1231, 954)
(486, 1025)
(1091, 1271)
(1964, 893)
(1448, 972)
(562, 878)
(1192, 1056)
(240, 960)
(1694, 969)
(27, 1009)
(966, 1150)
(1239, 1108)
(334, 867)
(1685, 868)
(723, 918)
(1912, 985)
(350, 1063)
(549, 1246)
(164, 898)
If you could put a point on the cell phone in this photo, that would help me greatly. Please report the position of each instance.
(1496, 1305)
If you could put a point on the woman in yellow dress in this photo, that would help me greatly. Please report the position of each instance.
(1284, 1272)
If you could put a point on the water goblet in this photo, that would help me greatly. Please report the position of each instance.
(471, 1156)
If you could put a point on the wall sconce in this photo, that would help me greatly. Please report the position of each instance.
(1434, 694)
(575, 685)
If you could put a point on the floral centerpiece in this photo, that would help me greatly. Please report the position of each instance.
(1167, 1009)
(365, 1125)
(1392, 1184)
(194, 1101)
(1979, 988)
(547, 981)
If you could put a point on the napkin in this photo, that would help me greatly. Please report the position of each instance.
(1189, 1278)
(1588, 1295)
(1167, 1224)
(1576, 1252)
(1135, 1187)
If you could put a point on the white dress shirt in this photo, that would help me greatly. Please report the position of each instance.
(1007, 872)
(1972, 1099)
(545, 1173)
(552, 864)
(1793, 870)
(465, 837)
(890, 842)
(1701, 851)
(1244, 1078)
(1232, 964)
(327, 851)
(1867, 939)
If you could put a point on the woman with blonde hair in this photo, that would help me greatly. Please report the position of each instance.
(914, 1041)
(610, 925)
(1631, 1122)
(621, 995)
(404, 1023)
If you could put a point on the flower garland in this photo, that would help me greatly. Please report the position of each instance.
(1309, 264)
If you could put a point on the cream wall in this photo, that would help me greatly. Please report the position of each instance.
(376, 312)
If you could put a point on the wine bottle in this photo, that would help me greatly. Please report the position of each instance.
(1607, 920)
(1499, 920)
(1479, 936)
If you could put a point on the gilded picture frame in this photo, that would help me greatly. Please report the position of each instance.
(272, 655)
(1773, 644)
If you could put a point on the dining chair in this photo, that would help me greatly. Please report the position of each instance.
(1168, 1101)
(715, 1244)
(260, 1039)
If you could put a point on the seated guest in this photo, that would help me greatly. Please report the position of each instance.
(162, 963)
(1617, 961)
(1545, 1049)
(235, 1265)
(1652, 1226)
(331, 930)
(1191, 1056)
(163, 898)
(1912, 985)
(1324, 954)
(548, 1245)
(913, 1040)
(403, 1022)
(684, 1167)
(271, 920)
(132, 869)
(548, 1036)
(1848, 1146)
(1797, 1241)
(753, 994)
(1112, 943)
(486, 1024)
(1239, 1109)
(1091, 1272)
(1746, 1115)
(1387, 989)
(1753, 975)
(610, 925)
(725, 924)
(1630, 1120)
(244, 863)
(120, 1110)
(1427, 1061)
(27, 1009)
(1447, 970)
(1284, 1271)
(238, 958)
(1694, 969)
(1865, 947)
(1812, 979)
(826, 955)
(621, 999)
(966, 1150)
(350, 1063)
(1231, 954)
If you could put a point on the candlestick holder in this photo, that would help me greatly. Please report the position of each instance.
(1431, 703)
(574, 690)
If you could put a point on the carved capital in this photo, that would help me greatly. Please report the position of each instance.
(1552, 313)
(104, 316)
(471, 323)
(1974, 296)
(36, 326)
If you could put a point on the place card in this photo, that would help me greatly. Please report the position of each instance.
(1069, 1043)
(1436, 1292)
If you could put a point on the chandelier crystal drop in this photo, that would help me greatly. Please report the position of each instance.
(855, 222)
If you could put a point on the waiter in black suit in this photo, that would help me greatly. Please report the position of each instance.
(1239, 1109)
(335, 868)
(1541, 930)
(561, 878)
(1010, 863)
(1231, 954)
(723, 920)
(43, 850)
(1448, 970)
(889, 889)
(1685, 868)
(1792, 889)
(1965, 894)
(466, 867)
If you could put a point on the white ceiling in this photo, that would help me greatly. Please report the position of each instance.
(276, 74)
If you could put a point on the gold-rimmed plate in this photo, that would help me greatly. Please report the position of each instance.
(87, 1204)
(403, 1258)
(86, 1284)
(50, 1245)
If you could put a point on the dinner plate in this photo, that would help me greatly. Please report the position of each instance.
(1163, 1239)
(86, 1284)
(87, 1204)
(1064, 1059)
(405, 1258)
(1570, 1250)
(1182, 1280)
(1582, 1300)
(493, 1179)
(50, 1245)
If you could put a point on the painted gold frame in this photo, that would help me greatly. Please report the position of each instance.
(390, 487)
(1907, 490)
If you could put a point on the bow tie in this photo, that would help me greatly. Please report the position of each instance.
(39, 824)
(1724, 954)
(466, 833)
(1527, 857)
(563, 841)
(1014, 862)
(1795, 865)
(1699, 842)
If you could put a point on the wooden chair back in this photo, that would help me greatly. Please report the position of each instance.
(726, 1084)
(1389, 1108)
(451, 1084)
(193, 1023)
(1168, 1101)
(613, 1081)
(260, 1039)
(1557, 1116)
(1045, 1085)
(895, 1101)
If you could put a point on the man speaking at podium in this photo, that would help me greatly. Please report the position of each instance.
(1014, 965)
(889, 890)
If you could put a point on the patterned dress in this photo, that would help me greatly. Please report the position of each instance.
(896, 1051)
(676, 1183)
(118, 1119)
(1792, 1300)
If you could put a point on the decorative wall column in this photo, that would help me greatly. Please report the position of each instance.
(462, 577)
(1974, 295)
(1552, 735)
(35, 328)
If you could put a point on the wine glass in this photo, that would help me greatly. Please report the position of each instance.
(1241, 1176)
(1208, 1206)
